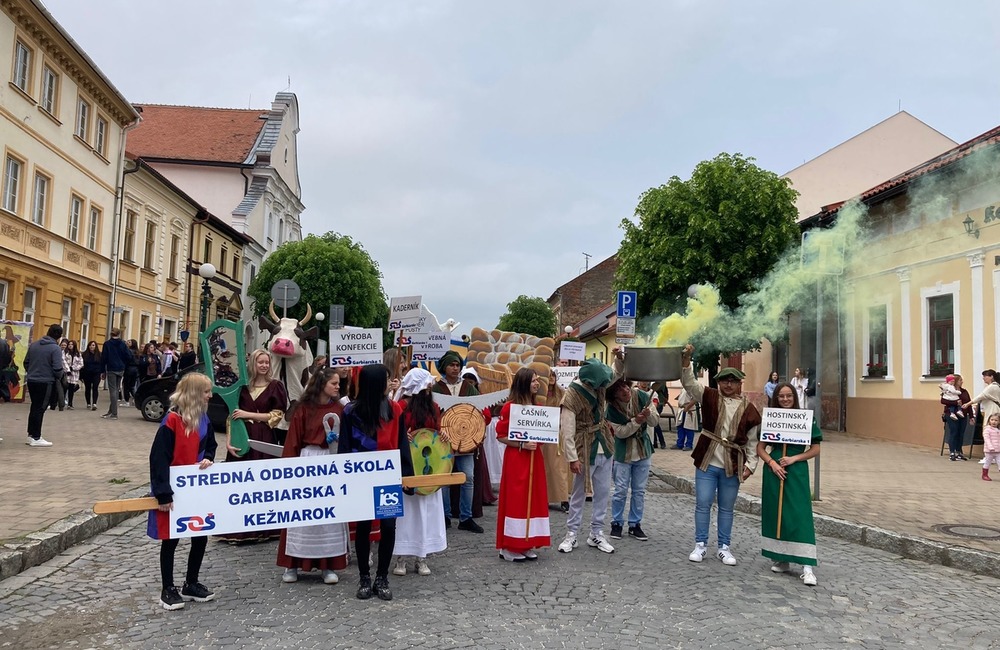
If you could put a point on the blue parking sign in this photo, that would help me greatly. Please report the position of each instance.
(627, 304)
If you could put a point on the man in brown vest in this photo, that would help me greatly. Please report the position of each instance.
(725, 453)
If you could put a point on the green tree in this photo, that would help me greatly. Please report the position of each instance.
(727, 225)
(528, 316)
(330, 269)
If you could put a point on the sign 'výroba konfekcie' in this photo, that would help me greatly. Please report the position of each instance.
(285, 493)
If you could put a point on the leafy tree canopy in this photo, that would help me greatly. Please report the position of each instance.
(331, 269)
(727, 225)
(528, 316)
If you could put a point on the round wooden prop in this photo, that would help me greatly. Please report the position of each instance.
(431, 455)
(465, 426)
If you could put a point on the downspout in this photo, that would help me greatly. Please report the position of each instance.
(116, 230)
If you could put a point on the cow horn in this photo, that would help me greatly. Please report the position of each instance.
(270, 310)
(309, 314)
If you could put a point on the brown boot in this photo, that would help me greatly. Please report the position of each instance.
(986, 474)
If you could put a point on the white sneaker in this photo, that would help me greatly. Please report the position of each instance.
(330, 577)
(290, 575)
(530, 555)
(601, 544)
(511, 556)
(400, 568)
(41, 442)
(699, 552)
(421, 567)
(808, 577)
(726, 555)
(780, 567)
(568, 544)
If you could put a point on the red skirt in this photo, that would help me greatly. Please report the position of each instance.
(523, 513)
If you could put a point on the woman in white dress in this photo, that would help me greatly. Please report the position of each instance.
(799, 382)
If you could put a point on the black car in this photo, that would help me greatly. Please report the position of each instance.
(152, 398)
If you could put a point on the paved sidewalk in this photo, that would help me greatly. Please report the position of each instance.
(46, 494)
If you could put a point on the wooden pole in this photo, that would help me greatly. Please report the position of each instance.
(531, 476)
(781, 493)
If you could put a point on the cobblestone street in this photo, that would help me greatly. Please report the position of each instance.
(104, 594)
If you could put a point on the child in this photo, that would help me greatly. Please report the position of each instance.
(185, 437)
(991, 445)
(952, 395)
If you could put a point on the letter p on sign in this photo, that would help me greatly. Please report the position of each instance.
(626, 304)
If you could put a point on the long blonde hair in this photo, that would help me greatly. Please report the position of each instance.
(252, 364)
(189, 400)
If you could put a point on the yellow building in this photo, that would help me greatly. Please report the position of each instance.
(63, 126)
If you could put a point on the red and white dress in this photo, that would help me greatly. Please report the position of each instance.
(523, 512)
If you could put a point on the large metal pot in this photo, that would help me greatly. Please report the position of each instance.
(644, 363)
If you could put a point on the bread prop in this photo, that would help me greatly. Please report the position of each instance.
(431, 457)
(498, 355)
(465, 426)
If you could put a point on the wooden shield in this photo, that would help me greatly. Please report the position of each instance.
(431, 456)
(465, 426)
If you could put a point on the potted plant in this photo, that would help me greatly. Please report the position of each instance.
(940, 369)
(876, 371)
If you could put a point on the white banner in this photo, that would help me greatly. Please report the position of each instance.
(415, 339)
(786, 426)
(285, 493)
(573, 350)
(566, 374)
(437, 344)
(404, 312)
(355, 347)
(534, 424)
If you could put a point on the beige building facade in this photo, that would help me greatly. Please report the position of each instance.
(63, 126)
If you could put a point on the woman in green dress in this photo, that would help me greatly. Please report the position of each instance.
(795, 539)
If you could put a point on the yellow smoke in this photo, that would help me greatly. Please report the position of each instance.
(702, 309)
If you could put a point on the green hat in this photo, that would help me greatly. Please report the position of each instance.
(449, 357)
(730, 372)
(595, 374)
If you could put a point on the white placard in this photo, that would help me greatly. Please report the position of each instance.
(786, 426)
(534, 424)
(404, 312)
(405, 338)
(573, 350)
(625, 327)
(285, 493)
(565, 374)
(355, 347)
(436, 345)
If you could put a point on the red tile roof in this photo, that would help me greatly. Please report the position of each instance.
(225, 135)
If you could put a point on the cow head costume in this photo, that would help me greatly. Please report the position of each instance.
(289, 348)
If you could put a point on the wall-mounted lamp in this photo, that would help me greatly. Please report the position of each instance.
(970, 227)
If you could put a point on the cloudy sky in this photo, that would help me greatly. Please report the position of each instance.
(478, 149)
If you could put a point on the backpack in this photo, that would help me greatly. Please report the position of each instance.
(6, 357)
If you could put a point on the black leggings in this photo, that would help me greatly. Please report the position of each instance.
(90, 387)
(363, 546)
(197, 554)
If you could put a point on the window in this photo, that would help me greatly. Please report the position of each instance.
(50, 91)
(22, 66)
(169, 326)
(75, 209)
(40, 201)
(253, 273)
(941, 330)
(93, 228)
(878, 346)
(30, 300)
(82, 119)
(124, 321)
(208, 250)
(236, 266)
(175, 247)
(3, 300)
(144, 328)
(101, 135)
(130, 223)
(150, 248)
(67, 316)
(88, 312)
(223, 259)
(11, 183)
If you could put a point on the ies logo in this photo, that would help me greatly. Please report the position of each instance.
(388, 501)
(195, 524)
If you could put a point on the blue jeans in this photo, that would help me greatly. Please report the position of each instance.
(685, 438)
(956, 431)
(706, 486)
(464, 463)
(634, 475)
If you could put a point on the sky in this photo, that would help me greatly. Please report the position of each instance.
(481, 150)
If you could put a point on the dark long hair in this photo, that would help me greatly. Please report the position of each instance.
(371, 407)
(773, 402)
(520, 387)
(313, 389)
(422, 411)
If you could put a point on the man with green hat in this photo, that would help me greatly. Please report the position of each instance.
(725, 453)
(451, 383)
(588, 444)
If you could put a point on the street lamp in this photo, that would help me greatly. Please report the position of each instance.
(320, 343)
(207, 272)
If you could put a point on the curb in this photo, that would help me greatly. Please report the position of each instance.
(19, 554)
(908, 546)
